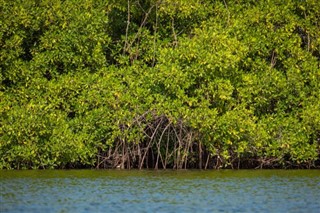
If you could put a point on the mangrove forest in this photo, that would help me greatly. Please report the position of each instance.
(159, 84)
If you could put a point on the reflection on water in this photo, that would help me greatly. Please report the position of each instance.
(160, 191)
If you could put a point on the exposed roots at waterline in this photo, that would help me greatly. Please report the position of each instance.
(165, 144)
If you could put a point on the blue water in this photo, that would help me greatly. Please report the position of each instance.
(160, 191)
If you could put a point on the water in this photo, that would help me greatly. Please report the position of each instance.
(160, 191)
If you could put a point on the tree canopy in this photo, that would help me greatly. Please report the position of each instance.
(159, 84)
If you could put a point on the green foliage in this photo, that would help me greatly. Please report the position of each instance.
(180, 84)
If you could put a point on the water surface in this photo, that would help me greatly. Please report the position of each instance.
(160, 191)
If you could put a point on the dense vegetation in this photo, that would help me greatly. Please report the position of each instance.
(159, 84)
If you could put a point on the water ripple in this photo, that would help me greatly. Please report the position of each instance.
(117, 191)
